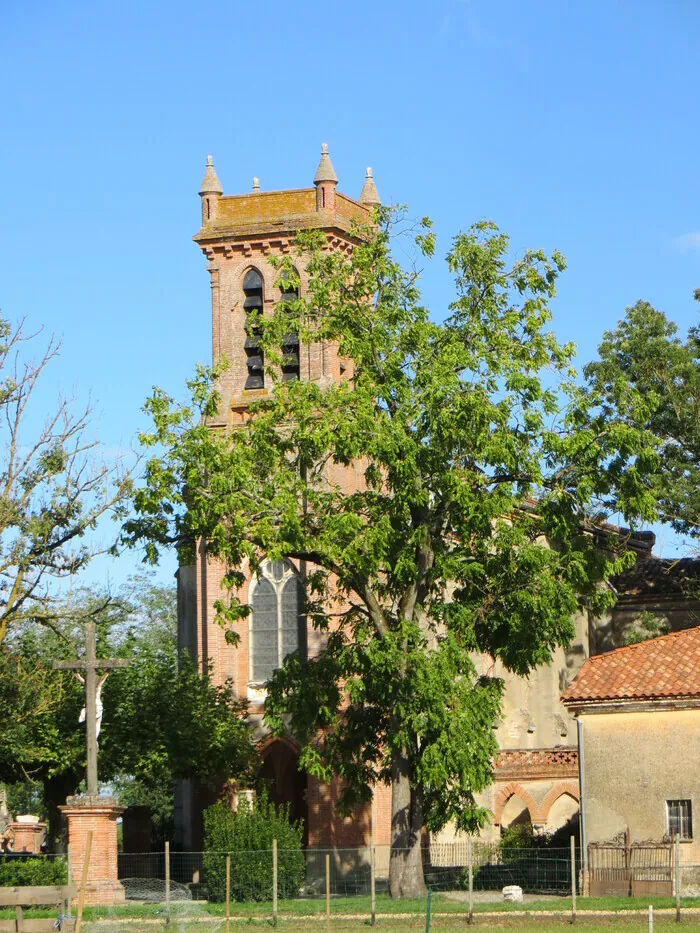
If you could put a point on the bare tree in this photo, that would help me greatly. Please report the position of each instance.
(55, 486)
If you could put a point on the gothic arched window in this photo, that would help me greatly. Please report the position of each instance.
(253, 305)
(290, 345)
(278, 625)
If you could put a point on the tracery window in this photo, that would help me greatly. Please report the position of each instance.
(277, 625)
(253, 304)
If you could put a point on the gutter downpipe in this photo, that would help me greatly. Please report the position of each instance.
(584, 847)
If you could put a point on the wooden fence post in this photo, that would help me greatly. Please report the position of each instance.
(167, 883)
(651, 918)
(678, 877)
(328, 886)
(274, 882)
(470, 868)
(573, 880)
(228, 892)
(83, 883)
(70, 880)
(372, 882)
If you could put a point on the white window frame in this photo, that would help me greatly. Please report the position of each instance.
(278, 585)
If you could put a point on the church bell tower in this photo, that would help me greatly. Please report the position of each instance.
(238, 235)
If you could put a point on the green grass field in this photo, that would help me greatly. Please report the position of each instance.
(352, 914)
(389, 925)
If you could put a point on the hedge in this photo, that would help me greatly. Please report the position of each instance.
(246, 836)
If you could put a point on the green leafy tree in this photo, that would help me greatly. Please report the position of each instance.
(644, 358)
(475, 452)
(166, 720)
(41, 743)
(163, 718)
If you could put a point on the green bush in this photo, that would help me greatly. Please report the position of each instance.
(247, 837)
(20, 872)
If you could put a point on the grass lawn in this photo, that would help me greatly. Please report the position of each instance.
(438, 925)
(352, 914)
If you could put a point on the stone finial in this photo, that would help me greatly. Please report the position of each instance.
(325, 171)
(210, 182)
(369, 196)
(256, 184)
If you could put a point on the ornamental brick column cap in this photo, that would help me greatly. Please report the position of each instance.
(210, 182)
(369, 196)
(91, 801)
(325, 171)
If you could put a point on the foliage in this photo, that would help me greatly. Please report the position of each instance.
(26, 797)
(648, 625)
(163, 718)
(473, 450)
(518, 836)
(644, 358)
(247, 836)
(40, 739)
(53, 488)
(19, 871)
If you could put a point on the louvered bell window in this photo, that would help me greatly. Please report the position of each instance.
(253, 305)
(290, 344)
(278, 625)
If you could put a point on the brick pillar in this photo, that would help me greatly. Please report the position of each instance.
(27, 835)
(98, 814)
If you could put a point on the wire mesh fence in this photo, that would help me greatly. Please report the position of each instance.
(341, 873)
(189, 889)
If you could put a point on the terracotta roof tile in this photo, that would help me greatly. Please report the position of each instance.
(661, 668)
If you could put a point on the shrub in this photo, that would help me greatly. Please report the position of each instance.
(247, 837)
(21, 871)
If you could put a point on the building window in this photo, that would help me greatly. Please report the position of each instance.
(679, 814)
(253, 305)
(290, 344)
(277, 625)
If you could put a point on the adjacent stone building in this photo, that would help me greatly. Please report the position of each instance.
(639, 709)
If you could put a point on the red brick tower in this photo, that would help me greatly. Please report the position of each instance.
(238, 235)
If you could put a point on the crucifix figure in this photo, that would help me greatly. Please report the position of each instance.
(91, 664)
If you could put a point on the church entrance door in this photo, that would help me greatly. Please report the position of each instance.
(285, 783)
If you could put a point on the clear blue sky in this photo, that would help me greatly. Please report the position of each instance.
(573, 125)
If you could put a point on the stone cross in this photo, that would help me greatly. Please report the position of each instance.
(91, 664)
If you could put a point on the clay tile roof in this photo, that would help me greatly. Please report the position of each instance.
(661, 668)
(657, 576)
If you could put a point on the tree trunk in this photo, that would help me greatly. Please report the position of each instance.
(406, 863)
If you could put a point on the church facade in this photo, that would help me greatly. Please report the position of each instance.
(537, 777)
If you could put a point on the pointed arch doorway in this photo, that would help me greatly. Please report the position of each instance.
(285, 783)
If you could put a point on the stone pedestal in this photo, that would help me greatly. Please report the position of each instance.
(28, 834)
(98, 814)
